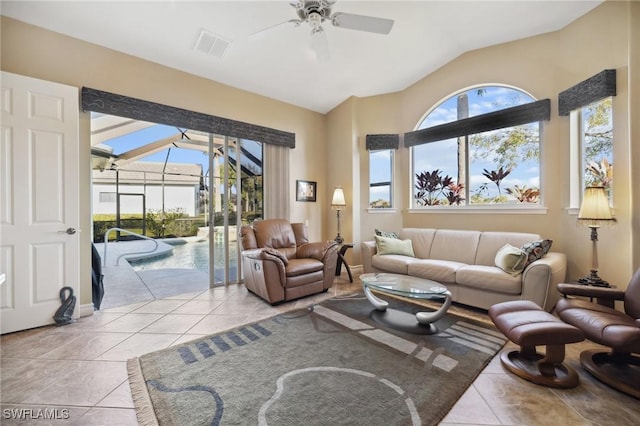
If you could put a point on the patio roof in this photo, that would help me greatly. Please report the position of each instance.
(108, 133)
(151, 173)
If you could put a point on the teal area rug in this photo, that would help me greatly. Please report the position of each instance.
(330, 364)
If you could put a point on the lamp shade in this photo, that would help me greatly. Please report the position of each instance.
(338, 197)
(595, 205)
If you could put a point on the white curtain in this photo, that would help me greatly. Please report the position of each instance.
(276, 182)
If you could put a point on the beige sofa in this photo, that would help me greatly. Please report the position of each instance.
(464, 261)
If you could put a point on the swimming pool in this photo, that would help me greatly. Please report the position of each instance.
(189, 255)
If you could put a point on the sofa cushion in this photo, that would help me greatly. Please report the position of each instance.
(298, 281)
(488, 278)
(491, 242)
(455, 245)
(511, 259)
(385, 246)
(443, 271)
(303, 266)
(422, 240)
(274, 234)
(536, 250)
(394, 263)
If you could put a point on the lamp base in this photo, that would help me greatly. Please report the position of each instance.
(339, 239)
(593, 279)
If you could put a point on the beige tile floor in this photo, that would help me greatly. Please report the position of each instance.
(79, 370)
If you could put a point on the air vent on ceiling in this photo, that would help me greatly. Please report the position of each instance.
(211, 44)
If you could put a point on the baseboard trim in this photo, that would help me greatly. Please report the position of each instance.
(86, 310)
(357, 270)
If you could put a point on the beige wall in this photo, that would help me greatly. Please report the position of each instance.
(634, 125)
(38, 53)
(339, 167)
(543, 66)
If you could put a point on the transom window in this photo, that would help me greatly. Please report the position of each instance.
(500, 166)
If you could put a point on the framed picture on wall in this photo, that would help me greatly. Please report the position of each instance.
(305, 190)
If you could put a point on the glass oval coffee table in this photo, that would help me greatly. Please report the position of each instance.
(410, 288)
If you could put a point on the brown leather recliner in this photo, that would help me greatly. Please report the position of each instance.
(602, 324)
(280, 264)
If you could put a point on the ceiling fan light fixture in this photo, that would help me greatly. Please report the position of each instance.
(315, 20)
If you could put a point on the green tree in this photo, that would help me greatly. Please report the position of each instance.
(507, 147)
(161, 223)
(251, 189)
(598, 144)
(598, 135)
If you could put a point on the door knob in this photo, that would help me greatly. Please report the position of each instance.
(70, 231)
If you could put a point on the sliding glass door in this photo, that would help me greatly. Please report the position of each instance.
(199, 188)
(236, 199)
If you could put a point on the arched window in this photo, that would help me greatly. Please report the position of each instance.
(493, 157)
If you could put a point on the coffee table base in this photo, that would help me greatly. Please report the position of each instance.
(426, 318)
(402, 321)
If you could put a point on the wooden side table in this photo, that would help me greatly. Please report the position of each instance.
(342, 261)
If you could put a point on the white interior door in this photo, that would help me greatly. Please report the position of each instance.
(39, 200)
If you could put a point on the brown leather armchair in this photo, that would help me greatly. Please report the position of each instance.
(602, 324)
(280, 264)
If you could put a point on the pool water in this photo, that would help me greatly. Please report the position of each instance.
(190, 255)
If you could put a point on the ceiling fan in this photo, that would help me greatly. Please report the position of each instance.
(316, 12)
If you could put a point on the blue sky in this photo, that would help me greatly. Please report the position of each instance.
(151, 134)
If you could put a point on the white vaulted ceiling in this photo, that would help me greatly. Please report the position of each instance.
(279, 63)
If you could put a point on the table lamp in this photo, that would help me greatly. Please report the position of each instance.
(594, 211)
(338, 203)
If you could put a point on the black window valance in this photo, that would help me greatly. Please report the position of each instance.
(387, 141)
(124, 106)
(509, 117)
(600, 86)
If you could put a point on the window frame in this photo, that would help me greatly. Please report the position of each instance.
(390, 182)
(577, 154)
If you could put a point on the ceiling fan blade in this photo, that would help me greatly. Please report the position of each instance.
(295, 22)
(320, 44)
(362, 23)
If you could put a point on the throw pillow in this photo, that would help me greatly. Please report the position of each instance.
(536, 250)
(386, 245)
(511, 259)
(387, 234)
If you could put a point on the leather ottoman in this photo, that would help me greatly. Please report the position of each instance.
(526, 324)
